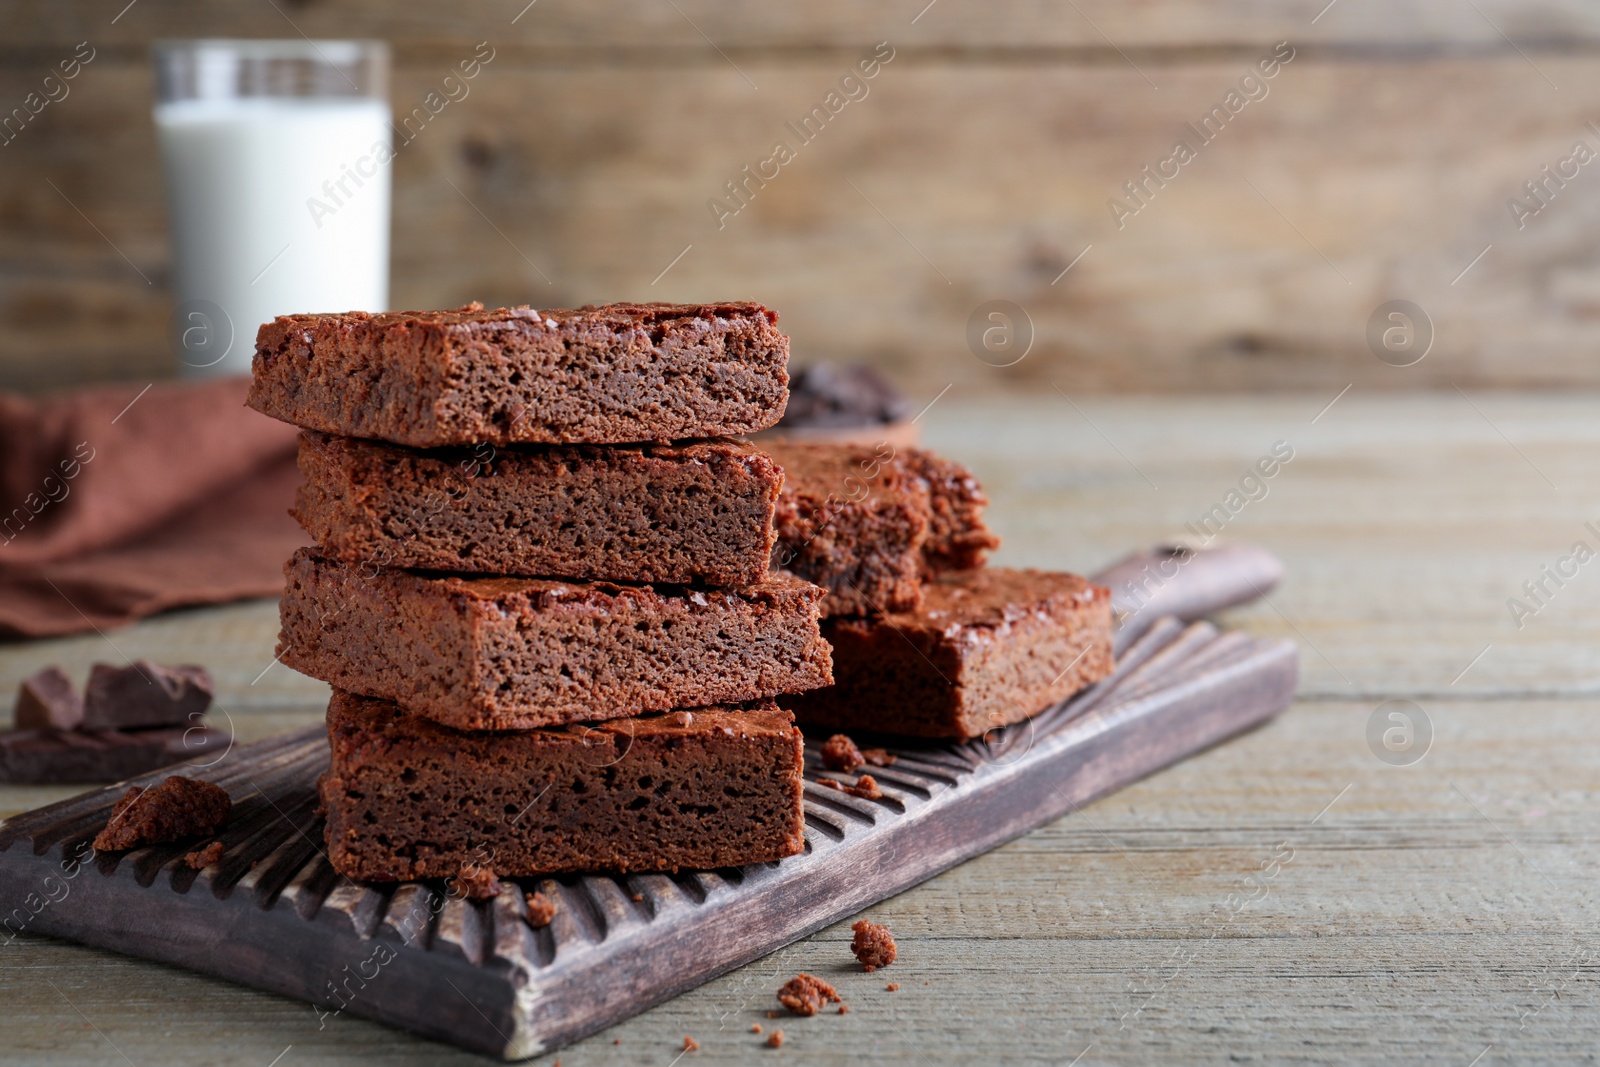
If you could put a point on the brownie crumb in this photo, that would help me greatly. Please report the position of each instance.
(205, 857)
(844, 1009)
(476, 882)
(879, 757)
(865, 787)
(755, 1028)
(541, 909)
(175, 809)
(839, 753)
(805, 994)
(775, 1039)
(690, 1044)
(893, 987)
(873, 945)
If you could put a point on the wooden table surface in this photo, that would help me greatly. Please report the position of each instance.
(1438, 910)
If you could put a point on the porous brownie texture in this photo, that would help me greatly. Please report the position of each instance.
(872, 524)
(806, 994)
(957, 538)
(408, 798)
(872, 944)
(989, 647)
(598, 375)
(175, 809)
(516, 653)
(697, 512)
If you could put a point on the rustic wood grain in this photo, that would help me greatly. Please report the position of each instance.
(1378, 168)
(1015, 25)
(1415, 924)
(273, 913)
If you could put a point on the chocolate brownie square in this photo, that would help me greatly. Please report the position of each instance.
(515, 653)
(408, 798)
(699, 512)
(870, 525)
(596, 375)
(988, 647)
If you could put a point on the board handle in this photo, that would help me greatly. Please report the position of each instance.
(1189, 583)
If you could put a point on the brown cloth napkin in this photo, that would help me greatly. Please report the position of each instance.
(117, 502)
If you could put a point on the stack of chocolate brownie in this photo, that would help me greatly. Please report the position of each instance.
(541, 586)
(927, 641)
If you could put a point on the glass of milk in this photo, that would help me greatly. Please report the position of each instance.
(277, 159)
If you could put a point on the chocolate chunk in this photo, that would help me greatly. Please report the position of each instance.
(826, 396)
(175, 809)
(48, 700)
(872, 944)
(145, 694)
(63, 757)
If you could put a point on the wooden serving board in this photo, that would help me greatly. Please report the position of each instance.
(274, 915)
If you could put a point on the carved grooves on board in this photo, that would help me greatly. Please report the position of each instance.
(274, 845)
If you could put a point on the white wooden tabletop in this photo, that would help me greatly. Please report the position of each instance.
(1433, 907)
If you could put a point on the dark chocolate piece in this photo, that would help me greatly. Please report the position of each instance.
(145, 694)
(50, 757)
(826, 396)
(48, 700)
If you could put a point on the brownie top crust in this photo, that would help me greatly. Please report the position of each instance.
(361, 727)
(617, 316)
(993, 598)
(505, 594)
(600, 375)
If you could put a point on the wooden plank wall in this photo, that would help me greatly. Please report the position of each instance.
(980, 164)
